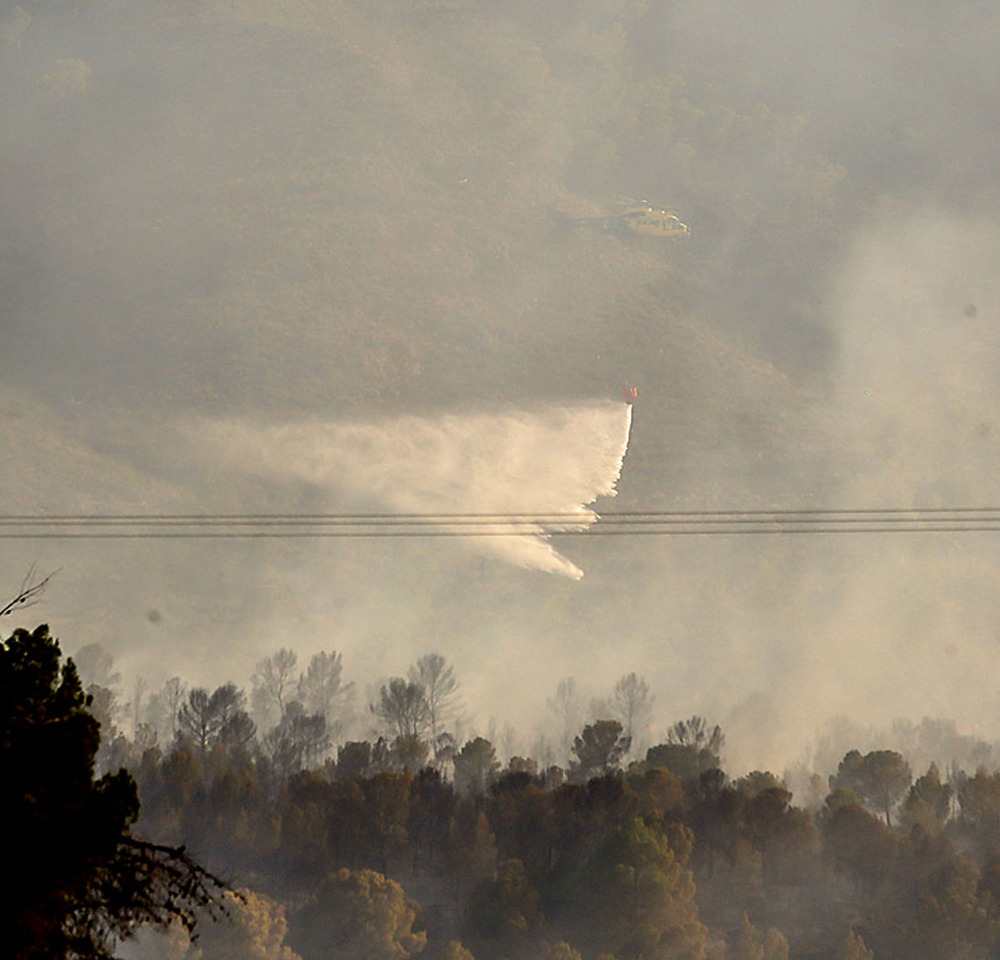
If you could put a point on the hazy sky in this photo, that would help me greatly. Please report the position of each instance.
(259, 259)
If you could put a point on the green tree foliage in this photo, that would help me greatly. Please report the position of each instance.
(785, 840)
(757, 782)
(358, 915)
(504, 907)
(642, 891)
(83, 881)
(519, 863)
(775, 945)
(513, 862)
(524, 817)
(659, 793)
(181, 777)
(432, 805)
(305, 839)
(585, 813)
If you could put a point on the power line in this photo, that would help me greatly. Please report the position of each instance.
(758, 522)
(197, 518)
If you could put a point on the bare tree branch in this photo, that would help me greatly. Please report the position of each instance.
(28, 594)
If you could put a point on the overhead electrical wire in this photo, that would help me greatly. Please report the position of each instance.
(758, 522)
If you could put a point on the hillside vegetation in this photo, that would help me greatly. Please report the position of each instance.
(342, 204)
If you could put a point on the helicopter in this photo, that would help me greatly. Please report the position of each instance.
(639, 218)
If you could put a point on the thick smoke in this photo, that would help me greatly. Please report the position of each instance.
(247, 248)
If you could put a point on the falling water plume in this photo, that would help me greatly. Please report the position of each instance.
(515, 465)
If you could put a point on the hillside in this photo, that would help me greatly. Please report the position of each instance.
(321, 209)
(312, 206)
(349, 211)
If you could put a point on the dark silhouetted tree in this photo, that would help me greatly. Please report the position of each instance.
(684, 761)
(197, 718)
(979, 803)
(354, 760)
(387, 812)
(437, 677)
(697, 733)
(402, 707)
(860, 845)
(298, 740)
(322, 690)
(598, 750)
(203, 717)
(82, 881)
(408, 755)
(880, 778)
(691, 749)
(929, 802)
(163, 708)
(475, 766)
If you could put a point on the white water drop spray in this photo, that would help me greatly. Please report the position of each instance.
(513, 465)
